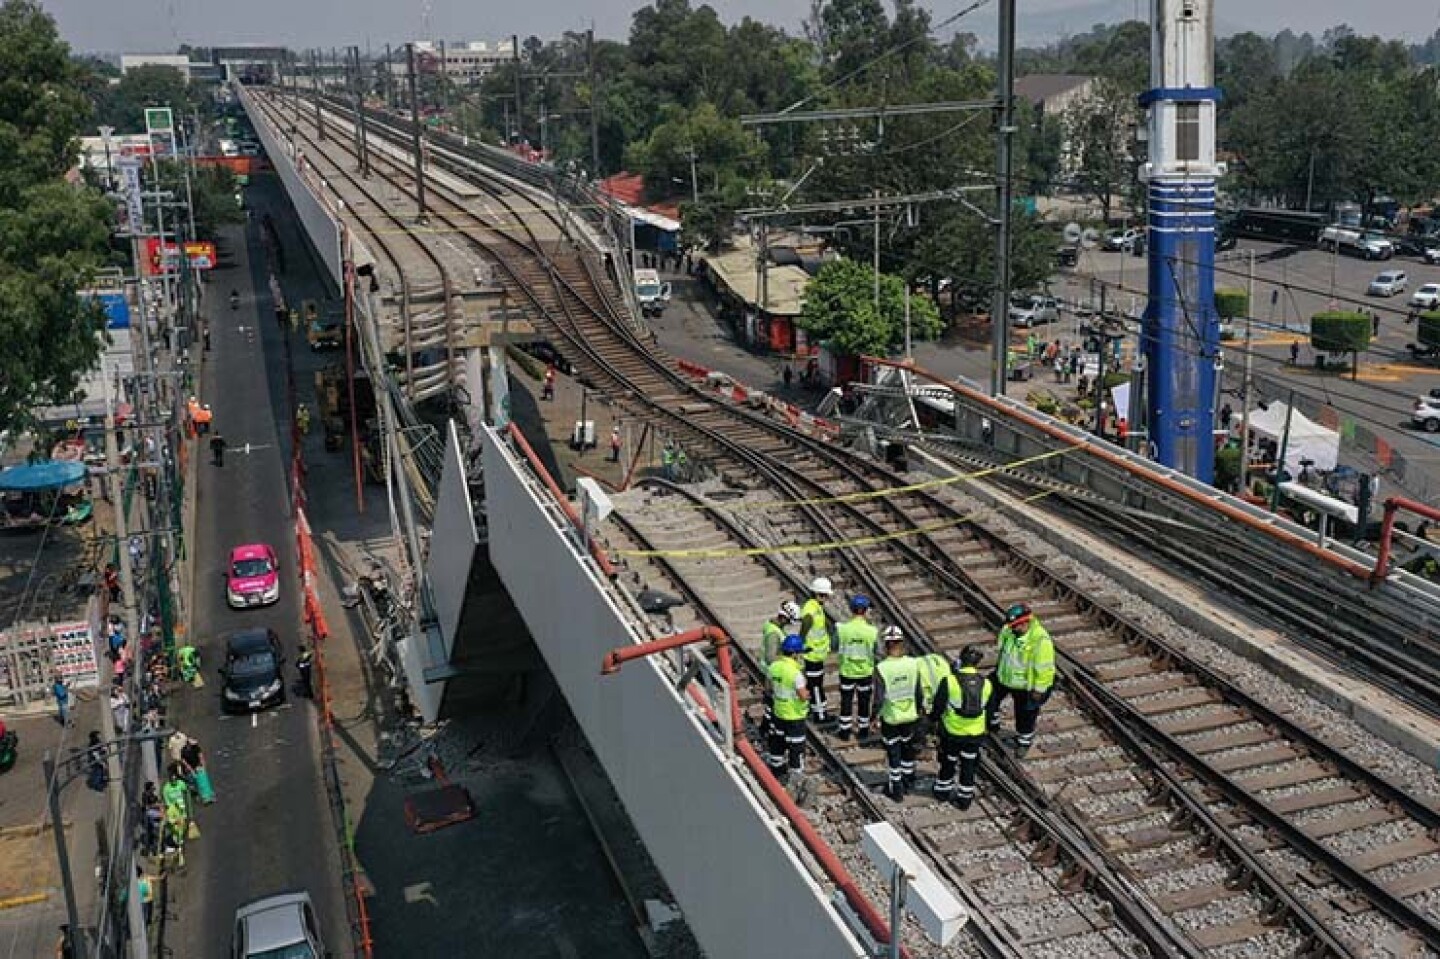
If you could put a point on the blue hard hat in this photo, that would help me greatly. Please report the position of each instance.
(859, 603)
(792, 644)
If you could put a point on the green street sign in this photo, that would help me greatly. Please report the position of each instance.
(159, 120)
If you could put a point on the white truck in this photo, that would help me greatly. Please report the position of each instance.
(650, 293)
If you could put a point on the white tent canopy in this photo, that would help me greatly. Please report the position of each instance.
(1308, 439)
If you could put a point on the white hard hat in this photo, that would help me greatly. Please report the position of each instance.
(788, 610)
(821, 586)
(893, 634)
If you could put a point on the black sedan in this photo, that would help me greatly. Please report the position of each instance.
(253, 679)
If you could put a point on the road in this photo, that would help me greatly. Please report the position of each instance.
(271, 829)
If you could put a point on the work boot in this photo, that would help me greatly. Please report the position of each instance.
(962, 803)
(894, 791)
(845, 733)
(1021, 749)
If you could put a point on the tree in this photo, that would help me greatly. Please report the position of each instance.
(1097, 156)
(840, 307)
(1341, 331)
(52, 234)
(122, 105)
(960, 247)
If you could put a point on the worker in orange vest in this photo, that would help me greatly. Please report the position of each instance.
(1122, 429)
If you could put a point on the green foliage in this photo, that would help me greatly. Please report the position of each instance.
(212, 190)
(123, 104)
(840, 307)
(52, 234)
(1098, 132)
(1428, 328)
(708, 224)
(723, 151)
(960, 246)
(1231, 303)
(1340, 331)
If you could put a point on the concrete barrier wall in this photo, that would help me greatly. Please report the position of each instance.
(322, 228)
(741, 886)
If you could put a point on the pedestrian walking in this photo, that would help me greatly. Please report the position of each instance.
(1226, 415)
(815, 630)
(787, 376)
(1025, 672)
(899, 687)
(205, 336)
(120, 710)
(547, 391)
(217, 450)
(776, 628)
(147, 894)
(60, 689)
(1295, 353)
(110, 582)
(194, 759)
(615, 444)
(857, 639)
(154, 818)
(788, 692)
(176, 791)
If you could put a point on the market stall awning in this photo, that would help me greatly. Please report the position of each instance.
(46, 474)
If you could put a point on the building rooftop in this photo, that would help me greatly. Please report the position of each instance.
(1039, 87)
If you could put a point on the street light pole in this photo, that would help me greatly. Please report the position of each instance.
(1004, 198)
(76, 935)
(1245, 388)
(877, 255)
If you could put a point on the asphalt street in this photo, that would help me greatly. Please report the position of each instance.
(271, 829)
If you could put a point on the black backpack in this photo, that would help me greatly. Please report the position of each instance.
(972, 695)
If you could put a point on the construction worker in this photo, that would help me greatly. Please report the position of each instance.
(815, 630)
(776, 628)
(304, 664)
(960, 713)
(547, 391)
(857, 639)
(1026, 671)
(934, 669)
(667, 461)
(188, 659)
(899, 712)
(788, 693)
(615, 444)
(302, 419)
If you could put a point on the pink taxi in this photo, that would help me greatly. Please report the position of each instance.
(252, 579)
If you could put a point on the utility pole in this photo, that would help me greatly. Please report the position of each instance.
(316, 88)
(415, 135)
(1245, 388)
(1004, 198)
(694, 182)
(876, 212)
(519, 93)
(361, 145)
(76, 935)
(444, 81)
(389, 78)
(595, 112)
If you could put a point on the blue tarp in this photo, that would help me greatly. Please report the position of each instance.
(46, 474)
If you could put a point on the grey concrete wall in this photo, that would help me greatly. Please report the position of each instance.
(322, 228)
(741, 885)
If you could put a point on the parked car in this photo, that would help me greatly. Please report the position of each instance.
(1431, 255)
(1067, 256)
(1427, 297)
(1121, 239)
(1388, 283)
(1033, 309)
(278, 927)
(252, 674)
(252, 578)
(1426, 413)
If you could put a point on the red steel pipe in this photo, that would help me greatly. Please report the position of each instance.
(623, 654)
(1301, 543)
(596, 550)
(1387, 531)
(813, 841)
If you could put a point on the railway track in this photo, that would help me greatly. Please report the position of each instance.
(1234, 829)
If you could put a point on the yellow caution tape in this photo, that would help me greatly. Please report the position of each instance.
(867, 494)
(805, 547)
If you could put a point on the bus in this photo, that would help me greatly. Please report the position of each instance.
(1281, 226)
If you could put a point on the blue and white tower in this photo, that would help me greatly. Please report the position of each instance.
(1181, 334)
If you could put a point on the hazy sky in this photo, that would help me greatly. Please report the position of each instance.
(161, 25)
